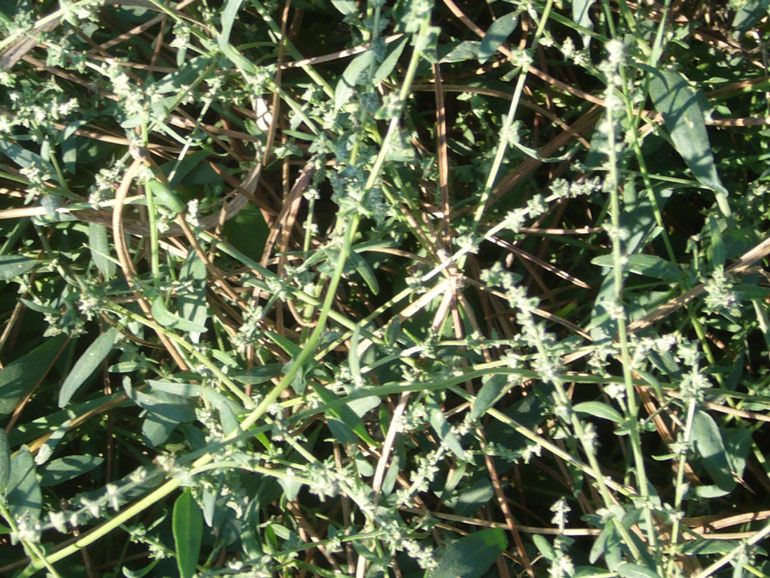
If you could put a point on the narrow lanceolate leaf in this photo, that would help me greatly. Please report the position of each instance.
(67, 468)
(350, 78)
(100, 249)
(496, 34)
(444, 430)
(188, 533)
(628, 570)
(647, 265)
(581, 15)
(87, 364)
(471, 556)
(14, 265)
(387, 65)
(676, 101)
(711, 447)
(5, 461)
(20, 377)
(191, 303)
(346, 7)
(23, 495)
(492, 390)
(600, 410)
(172, 320)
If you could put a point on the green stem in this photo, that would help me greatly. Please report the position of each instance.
(30, 547)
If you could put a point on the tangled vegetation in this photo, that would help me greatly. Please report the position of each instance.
(363, 288)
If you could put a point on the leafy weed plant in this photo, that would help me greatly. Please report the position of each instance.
(358, 288)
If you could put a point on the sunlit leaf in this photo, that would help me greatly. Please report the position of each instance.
(14, 265)
(496, 34)
(677, 102)
(23, 495)
(188, 533)
(87, 364)
(68, 467)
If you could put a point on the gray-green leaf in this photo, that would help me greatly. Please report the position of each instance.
(173, 321)
(496, 34)
(87, 364)
(444, 430)
(647, 265)
(492, 390)
(708, 442)
(677, 102)
(188, 533)
(25, 500)
(68, 467)
(600, 410)
(100, 249)
(20, 377)
(353, 72)
(5, 461)
(14, 265)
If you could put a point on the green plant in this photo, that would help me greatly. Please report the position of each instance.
(474, 290)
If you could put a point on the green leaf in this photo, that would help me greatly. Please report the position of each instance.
(491, 391)
(87, 364)
(228, 17)
(747, 15)
(461, 51)
(247, 232)
(99, 246)
(226, 407)
(191, 302)
(647, 265)
(581, 15)
(183, 76)
(737, 447)
(600, 410)
(188, 533)
(628, 570)
(171, 320)
(67, 468)
(677, 102)
(165, 196)
(365, 270)
(350, 78)
(259, 374)
(496, 34)
(14, 265)
(344, 413)
(387, 65)
(23, 495)
(172, 407)
(5, 461)
(709, 444)
(444, 431)
(702, 546)
(345, 6)
(20, 377)
(156, 429)
(544, 547)
(600, 543)
(286, 344)
(21, 156)
(474, 497)
(353, 359)
(142, 572)
(470, 556)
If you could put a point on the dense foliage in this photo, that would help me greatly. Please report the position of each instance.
(366, 288)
